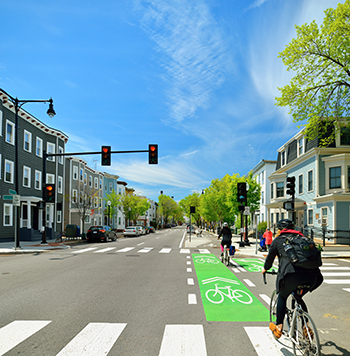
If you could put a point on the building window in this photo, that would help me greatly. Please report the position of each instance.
(334, 177)
(74, 196)
(310, 216)
(10, 132)
(283, 158)
(59, 216)
(37, 180)
(90, 181)
(280, 189)
(85, 178)
(310, 181)
(75, 172)
(300, 146)
(8, 171)
(96, 202)
(50, 149)
(263, 177)
(262, 198)
(271, 218)
(300, 184)
(110, 186)
(100, 183)
(96, 183)
(81, 175)
(324, 216)
(39, 147)
(60, 158)
(26, 177)
(59, 188)
(27, 141)
(345, 136)
(8, 217)
(272, 191)
(277, 217)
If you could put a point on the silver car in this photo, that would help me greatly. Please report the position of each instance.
(131, 231)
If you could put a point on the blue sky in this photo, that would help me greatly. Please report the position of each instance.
(198, 77)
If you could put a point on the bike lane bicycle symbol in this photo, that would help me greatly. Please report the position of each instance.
(217, 295)
(206, 259)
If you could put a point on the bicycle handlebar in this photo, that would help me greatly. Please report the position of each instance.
(268, 272)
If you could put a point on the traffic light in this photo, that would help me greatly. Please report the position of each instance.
(106, 156)
(153, 154)
(49, 193)
(291, 185)
(242, 192)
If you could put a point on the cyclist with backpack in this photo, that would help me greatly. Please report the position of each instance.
(302, 271)
(226, 237)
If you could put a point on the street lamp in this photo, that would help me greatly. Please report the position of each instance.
(51, 112)
(109, 207)
(129, 214)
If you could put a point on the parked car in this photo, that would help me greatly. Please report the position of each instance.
(100, 233)
(192, 229)
(141, 229)
(131, 231)
(150, 229)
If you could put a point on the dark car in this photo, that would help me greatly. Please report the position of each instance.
(100, 234)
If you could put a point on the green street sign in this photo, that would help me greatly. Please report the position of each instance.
(13, 192)
(7, 197)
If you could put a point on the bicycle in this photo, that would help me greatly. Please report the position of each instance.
(302, 331)
(60, 237)
(239, 295)
(225, 256)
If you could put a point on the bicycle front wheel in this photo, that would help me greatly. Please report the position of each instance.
(305, 336)
(273, 307)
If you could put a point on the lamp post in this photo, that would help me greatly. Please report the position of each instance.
(129, 214)
(51, 112)
(109, 209)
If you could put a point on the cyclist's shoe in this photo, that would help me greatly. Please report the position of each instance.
(307, 332)
(277, 333)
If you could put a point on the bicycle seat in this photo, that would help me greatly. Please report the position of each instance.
(302, 289)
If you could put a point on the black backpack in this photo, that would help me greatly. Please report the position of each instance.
(302, 251)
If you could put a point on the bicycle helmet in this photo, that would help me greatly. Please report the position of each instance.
(225, 224)
(285, 224)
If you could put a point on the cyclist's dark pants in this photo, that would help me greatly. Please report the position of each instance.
(226, 242)
(290, 284)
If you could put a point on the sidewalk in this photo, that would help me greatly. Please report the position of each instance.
(34, 246)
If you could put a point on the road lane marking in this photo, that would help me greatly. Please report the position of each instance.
(264, 343)
(346, 289)
(335, 274)
(165, 250)
(96, 339)
(189, 269)
(185, 250)
(140, 244)
(126, 249)
(249, 282)
(203, 250)
(334, 268)
(146, 250)
(190, 281)
(188, 262)
(265, 298)
(337, 281)
(183, 340)
(85, 250)
(192, 299)
(236, 270)
(14, 333)
(105, 249)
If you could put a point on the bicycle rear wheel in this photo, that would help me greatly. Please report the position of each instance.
(273, 307)
(304, 332)
(227, 258)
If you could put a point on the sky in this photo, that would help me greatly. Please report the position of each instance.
(197, 77)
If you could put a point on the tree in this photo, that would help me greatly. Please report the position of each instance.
(187, 202)
(167, 207)
(115, 200)
(319, 92)
(133, 206)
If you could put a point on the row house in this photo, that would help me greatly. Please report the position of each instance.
(83, 194)
(120, 218)
(34, 137)
(322, 179)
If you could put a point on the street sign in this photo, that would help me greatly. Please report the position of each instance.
(7, 197)
(16, 200)
(13, 192)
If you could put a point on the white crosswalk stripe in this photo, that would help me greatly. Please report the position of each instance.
(165, 250)
(333, 270)
(17, 331)
(146, 250)
(126, 249)
(105, 250)
(94, 340)
(85, 250)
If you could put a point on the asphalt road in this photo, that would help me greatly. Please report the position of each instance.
(140, 296)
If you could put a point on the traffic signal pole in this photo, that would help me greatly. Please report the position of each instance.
(43, 178)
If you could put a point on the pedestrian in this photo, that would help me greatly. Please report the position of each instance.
(268, 238)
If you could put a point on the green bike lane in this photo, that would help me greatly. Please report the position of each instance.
(224, 296)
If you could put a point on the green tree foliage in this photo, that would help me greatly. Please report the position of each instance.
(167, 207)
(320, 89)
(192, 200)
(133, 206)
(115, 200)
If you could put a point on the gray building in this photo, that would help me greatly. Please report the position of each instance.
(34, 137)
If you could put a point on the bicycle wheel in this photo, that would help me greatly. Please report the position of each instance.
(273, 307)
(306, 341)
(214, 296)
(242, 296)
(227, 258)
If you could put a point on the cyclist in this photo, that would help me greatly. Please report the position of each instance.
(289, 277)
(226, 237)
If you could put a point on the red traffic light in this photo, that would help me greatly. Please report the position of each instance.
(106, 156)
(49, 194)
(153, 154)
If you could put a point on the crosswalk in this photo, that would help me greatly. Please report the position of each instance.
(137, 249)
(98, 338)
(340, 275)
